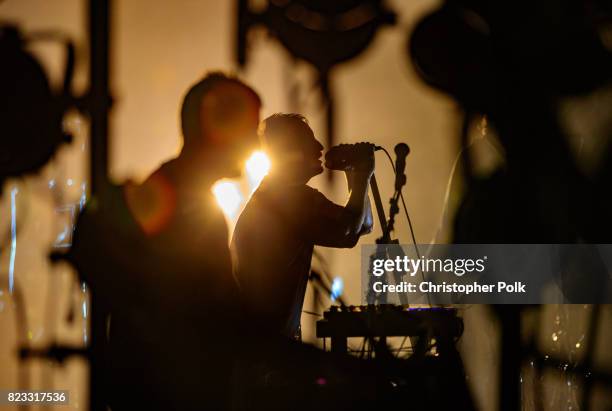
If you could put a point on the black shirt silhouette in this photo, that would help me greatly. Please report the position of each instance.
(274, 239)
(276, 233)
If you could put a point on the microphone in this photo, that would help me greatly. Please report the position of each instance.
(401, 152)
(344, 156)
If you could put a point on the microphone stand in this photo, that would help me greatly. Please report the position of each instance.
(384, 241)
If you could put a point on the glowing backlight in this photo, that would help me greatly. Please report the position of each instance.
(228, 196)
(257, 167)
(231, 195)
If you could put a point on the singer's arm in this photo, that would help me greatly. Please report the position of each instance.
(368, 221)
(338, 226)
(359, 203)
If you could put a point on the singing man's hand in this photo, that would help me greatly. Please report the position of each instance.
(364, 158)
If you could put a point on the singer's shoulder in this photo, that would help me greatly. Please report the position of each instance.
(312, 191)
(302, 195)
(316, 197)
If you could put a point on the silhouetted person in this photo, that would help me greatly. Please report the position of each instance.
(158, 255)
(275, 235)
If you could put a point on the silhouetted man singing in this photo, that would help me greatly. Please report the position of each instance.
(285, 218)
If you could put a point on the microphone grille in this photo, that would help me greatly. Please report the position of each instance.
(402, 149)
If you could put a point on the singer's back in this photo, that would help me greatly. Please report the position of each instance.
(273, 244)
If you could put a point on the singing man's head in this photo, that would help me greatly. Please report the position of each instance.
(219, 119)
(289, 141)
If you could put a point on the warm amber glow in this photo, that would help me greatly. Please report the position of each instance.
(231, 194)
(228, 196)
(257, 167)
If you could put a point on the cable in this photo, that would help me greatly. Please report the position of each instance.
(403, 204)
(312, 313)
(400, 347)
(451, 178)
(414, 241)
(449, 184)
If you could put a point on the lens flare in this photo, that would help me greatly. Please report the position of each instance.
(231, 194)
(152, 204)
(228, 196)
(257, 167)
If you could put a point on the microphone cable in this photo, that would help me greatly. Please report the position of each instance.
(414, 241)
(403, 203)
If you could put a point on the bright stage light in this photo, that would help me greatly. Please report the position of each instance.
(336, 288)
(257, 167)
(231, 194)
(228, 196)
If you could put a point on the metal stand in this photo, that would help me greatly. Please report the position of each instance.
(96, 104)
(100, 101)
(383, 242)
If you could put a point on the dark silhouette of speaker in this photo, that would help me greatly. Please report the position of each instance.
(30, 111)
(473, 49)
